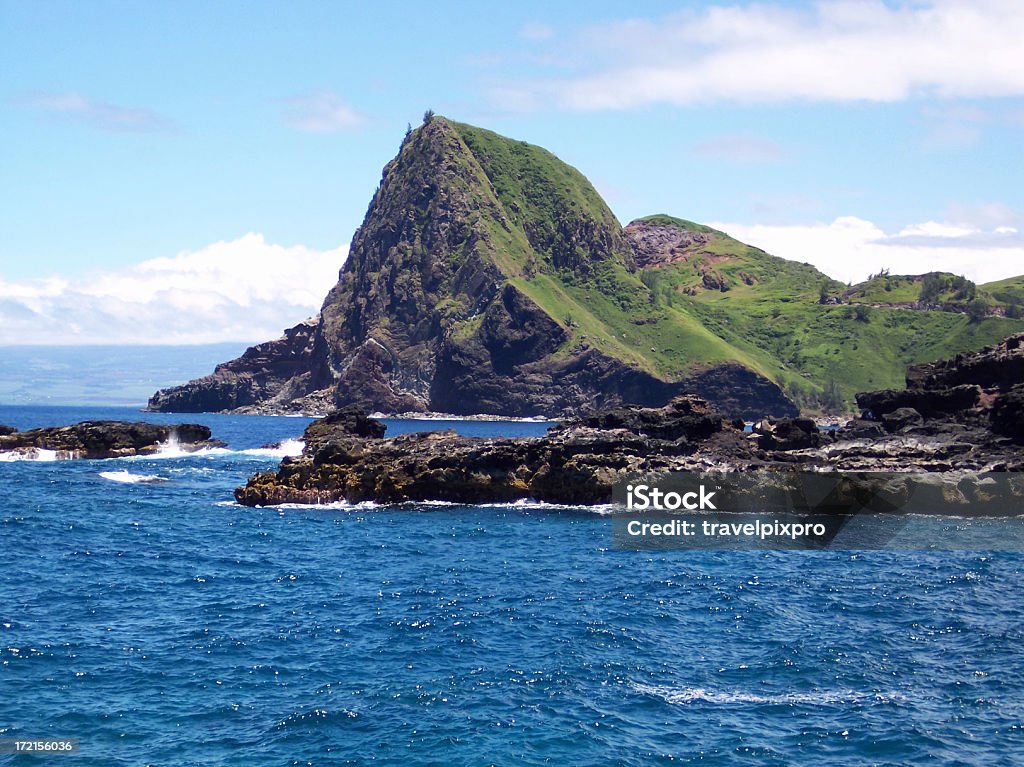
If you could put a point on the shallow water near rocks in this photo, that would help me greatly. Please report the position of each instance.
(160, 623)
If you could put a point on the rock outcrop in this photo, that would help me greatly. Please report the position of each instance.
(105, 439)
(579, 460)
(465, 292)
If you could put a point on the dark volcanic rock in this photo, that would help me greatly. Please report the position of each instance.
(687, 417)
(272, 372)
(578, 461)
(5, 430)
(860, 428)
(791, 434)
(901, 418)
(108, 439)
(741, 393)
(1008, 413)
(926, 401)
(995, 367)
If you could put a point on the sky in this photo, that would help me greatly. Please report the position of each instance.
(192, 172)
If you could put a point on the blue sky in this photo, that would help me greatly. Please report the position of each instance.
(204, 165)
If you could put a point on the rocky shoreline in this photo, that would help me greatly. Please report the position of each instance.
(965, 414)
(103, 439)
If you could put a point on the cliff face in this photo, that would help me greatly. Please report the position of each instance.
(487, 277)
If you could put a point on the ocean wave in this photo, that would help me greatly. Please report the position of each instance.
(289, 448)
(688, 695)
(30, 454)
(285, 449)
(126, 477)
(166, 451)
(522, 504)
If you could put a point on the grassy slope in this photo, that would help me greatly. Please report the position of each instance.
(906, 289)
(813, 344)
(602, 309)
(769, 318)
(1009, 290)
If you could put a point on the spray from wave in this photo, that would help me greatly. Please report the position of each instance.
(30, 454)
(126, 477)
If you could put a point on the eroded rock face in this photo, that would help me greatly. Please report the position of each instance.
(928, 401)
(741, 392)
(1007, 415)
(960, 413)
(108, 439)
(658, 244)
(268, 374)
(998, 367)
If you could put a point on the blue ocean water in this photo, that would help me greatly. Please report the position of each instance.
(160, 624)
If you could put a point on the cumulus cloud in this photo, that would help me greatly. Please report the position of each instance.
(243, 290)
(831, 51)
(851, 248)
(99, 114)
(321, 112)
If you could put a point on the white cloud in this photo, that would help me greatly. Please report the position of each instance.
(740, 148)
(243, 290)
(832, 51)
(321, 112)
(851, 248)
(99, 114)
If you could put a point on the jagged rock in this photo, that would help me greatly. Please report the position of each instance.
(581, 459)
(901, 418)
(686, 417)
(926, 401)
(108, 439)
(860, 428)
(5, 430)
(995, 367)
(1008, 413)
(657, 244)
(790, 434)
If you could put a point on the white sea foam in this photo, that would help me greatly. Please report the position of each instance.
(126, 477)
(688, 695)
(289, 448)
(524, 504)
(30, 454)
(166, 451)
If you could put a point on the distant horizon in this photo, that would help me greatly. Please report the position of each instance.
(195, 173)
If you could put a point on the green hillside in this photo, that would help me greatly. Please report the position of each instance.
(771, 310)
(596, 294)
(714, 299)
(1010, 292)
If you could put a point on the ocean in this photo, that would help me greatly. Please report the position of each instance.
(159, 623)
